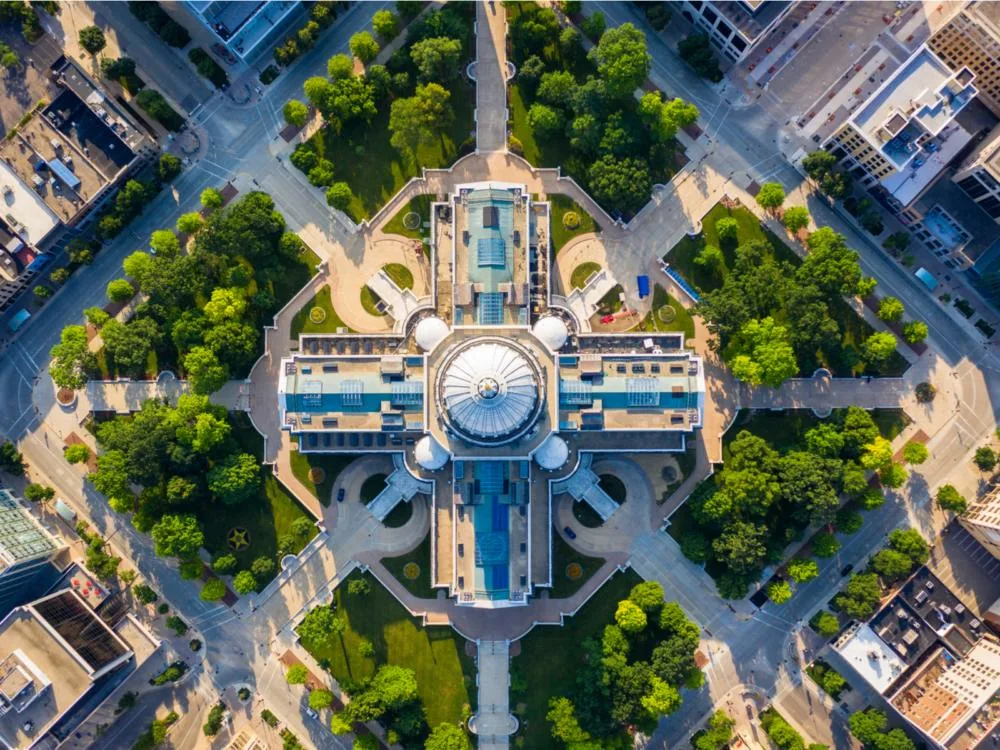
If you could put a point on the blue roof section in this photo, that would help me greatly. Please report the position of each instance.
(491, 236)
(491, 508)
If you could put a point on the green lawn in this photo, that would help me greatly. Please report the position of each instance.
(561, 205)
(843, 361)
(445, 675)
(292, 278)
(401, 275)
(550, 657)
(331, 465)
(682, 321)
(581, 273)
(302, 324)
(420, 205)
(562, 555)
(375, 170)
(421, 585)
(266, 517)
(369, 301)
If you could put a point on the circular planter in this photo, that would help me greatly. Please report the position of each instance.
(238, 539)
(411, 571)
(317, 315)
(317, 475)
(666, 314)
(412, 221)
(574, 571)
(66, 397)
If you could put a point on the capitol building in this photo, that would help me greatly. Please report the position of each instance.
(491, 394)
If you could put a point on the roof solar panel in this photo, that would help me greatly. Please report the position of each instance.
(490, 251)
(576, 392)
(407, 393)
(491, 308)
(351, 392)
(642, 391)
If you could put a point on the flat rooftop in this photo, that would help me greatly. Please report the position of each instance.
(58, 680)
(22, 538)
(751, 17)
(24, 211)
(870, 657)
(920, 98)
(630, 392)
(105, 123)
(352, 393)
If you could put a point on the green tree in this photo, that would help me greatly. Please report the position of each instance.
(771, 196)
(795, 218)
(71, 358)
(565, 724)
(915, 453)
(11, 459)
(557, 88)
(213, 590)
(130, 344)
(235, 479)
(77, 453)
(740, 546)
(297, 674)
(831, 264)
(545, 121)
(338, 67)
(244, 583)
(447, 736)
(120, 290)
(766, 354)
(985, 458)
(867, 725)
(648, 596)
(716, 734)
(92, 39)
(779, 592)
(204, 371)
(138, 266)
(164, 243)
(363, 46)
(177, 536)
(630, 617)
(622, 60)
(696, 51)
(385, 24)
(848, 521)
(892, 565)
(860, 596)
(320, 699)
(320, 626)
(878, 454)
(112, 480)
(225, 304)
(211, 199)
(39, 493)
(802, 570)
(824, 545)
(339, 195)
(910, 543)
(914, 331)
(879, 347)
(420, 119)
(296, 113)
(168, 167)
(890, 310)
(437, 58)
(620, 184)
(826, 624)
(948, 498)
(225, 563)
(190, 223)
(144, 593)
(262, 567)
(727, 228)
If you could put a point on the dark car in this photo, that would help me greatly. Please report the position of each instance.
(569, 532)
(846, 569)
(341, 494)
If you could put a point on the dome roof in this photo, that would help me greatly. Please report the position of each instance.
(489, 389)
(429, 453)
(552, 453)
(551, 331)
(429, 332)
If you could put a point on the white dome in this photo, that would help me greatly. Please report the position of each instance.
(429, 453)
(551, 331)
(552, 453)
(489, 389)
(429, 332)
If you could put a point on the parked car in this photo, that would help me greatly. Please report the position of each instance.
(569, 532)
(341, 494)
(311, 713)
(846, 569)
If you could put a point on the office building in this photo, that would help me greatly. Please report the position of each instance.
(27, 553)
(979, 175)
(982, 520)
(906, 133)
(57, 661)
(247, 29)
(734, 26)
(972, 40)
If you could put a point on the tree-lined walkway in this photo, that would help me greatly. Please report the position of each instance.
(493, 723)
(491, 76)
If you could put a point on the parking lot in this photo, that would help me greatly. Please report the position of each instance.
(966, 568)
